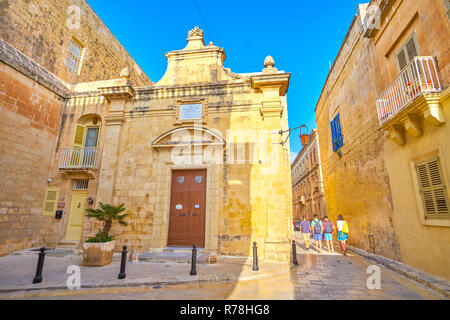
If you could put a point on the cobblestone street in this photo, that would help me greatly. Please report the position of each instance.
(318, 276)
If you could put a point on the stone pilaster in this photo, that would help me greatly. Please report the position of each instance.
(117, 95)
(273, 85)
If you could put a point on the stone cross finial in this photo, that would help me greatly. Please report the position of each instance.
(269, 64)
(196, 32)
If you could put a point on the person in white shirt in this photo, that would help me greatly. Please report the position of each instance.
(342, 226)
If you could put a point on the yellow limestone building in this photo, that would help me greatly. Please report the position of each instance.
(196, 158)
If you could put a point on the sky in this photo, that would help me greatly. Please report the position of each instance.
(302, 36)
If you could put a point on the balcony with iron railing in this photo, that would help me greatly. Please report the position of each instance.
(414, 93)
(79, 159)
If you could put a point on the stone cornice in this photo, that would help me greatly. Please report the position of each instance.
(27, 66)
(272, 79)
(117, 92)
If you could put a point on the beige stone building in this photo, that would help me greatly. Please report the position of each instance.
(382, 122)
(308, 198)
(45, 48)
(196, 157)
(187, 156)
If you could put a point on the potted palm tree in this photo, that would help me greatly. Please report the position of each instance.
(98, 250)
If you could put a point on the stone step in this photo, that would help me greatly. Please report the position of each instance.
(69, 243)
(172, 256)
(66, 246)
(50, 252)
(182, 249)
(59, 252)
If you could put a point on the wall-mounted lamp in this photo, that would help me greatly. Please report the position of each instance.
(90, 201)
(303, 137)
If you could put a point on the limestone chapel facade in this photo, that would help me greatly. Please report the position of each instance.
(196, 157)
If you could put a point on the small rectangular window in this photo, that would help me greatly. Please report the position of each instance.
(407, 52)
(337, 139)
(433, 189)
(73, 59)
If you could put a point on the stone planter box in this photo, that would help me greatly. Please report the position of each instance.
(98, 254)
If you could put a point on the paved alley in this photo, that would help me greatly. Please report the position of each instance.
(317, 277)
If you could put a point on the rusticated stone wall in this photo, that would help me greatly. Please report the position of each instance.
(43, 30)
(357, 184)
(29, 126)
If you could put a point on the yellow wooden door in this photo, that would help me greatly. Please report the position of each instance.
(75, 224)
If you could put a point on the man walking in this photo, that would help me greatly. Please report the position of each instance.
(305, 228)
(318, 229)
(328, 228)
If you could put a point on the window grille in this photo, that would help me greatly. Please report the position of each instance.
(81, 184)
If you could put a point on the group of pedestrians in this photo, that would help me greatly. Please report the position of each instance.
(323, 229)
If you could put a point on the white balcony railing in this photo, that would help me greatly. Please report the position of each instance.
(418, 77)
(79, 158)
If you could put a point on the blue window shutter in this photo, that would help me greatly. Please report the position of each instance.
(339, 131)
(333, 135)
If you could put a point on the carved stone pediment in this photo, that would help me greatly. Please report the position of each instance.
(188, 136)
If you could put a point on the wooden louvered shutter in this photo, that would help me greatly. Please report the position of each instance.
(408, 51)
(80, 133)
(50, 202)
(340, 138)
(333, 134)
(411, 49)
(433, 189)
(402, 60)
(76, 157)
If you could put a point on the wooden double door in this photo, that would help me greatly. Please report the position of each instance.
(187, 208)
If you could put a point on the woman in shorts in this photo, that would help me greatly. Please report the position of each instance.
(342, 228)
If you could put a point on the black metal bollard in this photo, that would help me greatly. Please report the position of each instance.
(40, 266)
(255, 257)
(294, 252)
(123, 263)
(194, 261)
